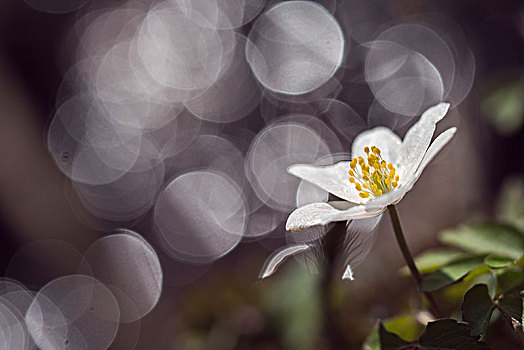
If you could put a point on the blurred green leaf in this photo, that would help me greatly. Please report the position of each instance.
(490, 281)
(503, 240)
(451, 273)
(293, 304)
(405, 326)
(497, 261)
(504, 106)
(477, 308)
(390, 341)
(476, 272)
(432, 260)
(441, 334)
(512, 306)
(510, 204)
(449, 334)
(373, 340)
(509, 278)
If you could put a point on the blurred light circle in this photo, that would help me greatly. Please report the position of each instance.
(211, 152)
(233, 96)
(126, 198)
(223, 14)
(276, 148)
(178, 52)
(13, 334)
(129, 267)
(200, 216)
(56, 6)
(38, 263)
(295, 47)
(75, 312)
(402, 80)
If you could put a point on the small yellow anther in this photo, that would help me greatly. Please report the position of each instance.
(375, 187)
(351, 173)
(358, 187)
(379, 192)
(352, 180)
(363, 195)
(366, 149)
(395, 184)
(396, 178)
(383, 164)
(388, 181)
(376, 165)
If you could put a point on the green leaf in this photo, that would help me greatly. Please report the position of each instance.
(510, 204)
(388, 340)
(504, 105)
(509, 278)
(512, 306)
(450, 273)
(476, 272)
(449, 334)
(497, 261)
(477, 308)
(432, 260)
(488, 238)
(406, 326)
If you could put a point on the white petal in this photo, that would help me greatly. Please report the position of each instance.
(386, 199)
(395, 196)
(360, 238)
(324, 213)
(278, 258)
(439, 143)
(417, 140)
(332, 178)
(381, 137)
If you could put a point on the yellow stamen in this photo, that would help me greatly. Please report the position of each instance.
(381, 180)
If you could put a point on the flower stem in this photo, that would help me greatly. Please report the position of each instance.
(409, 259)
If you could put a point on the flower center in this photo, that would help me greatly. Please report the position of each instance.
(374, 178)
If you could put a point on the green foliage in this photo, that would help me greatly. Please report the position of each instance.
(477, 309)
(389, 340)
(451, 272)
(504, 105)
(293, 304)
(510, 205)
(512, 306)
(449, 334)
(486, 238)
(482, 269)
(497, 261)
(432, 260)
(406, 326)
(441, 334)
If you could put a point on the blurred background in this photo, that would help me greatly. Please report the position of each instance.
(145, 144)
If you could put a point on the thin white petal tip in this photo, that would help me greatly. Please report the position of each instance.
(291, 167)
(348, 274)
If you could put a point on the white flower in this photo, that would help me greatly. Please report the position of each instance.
(382, 170)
